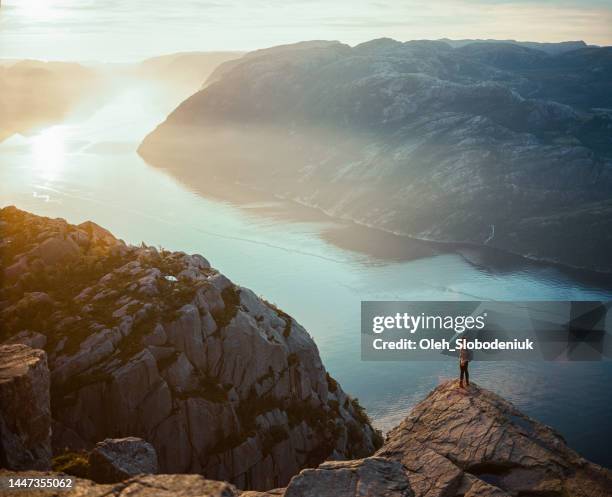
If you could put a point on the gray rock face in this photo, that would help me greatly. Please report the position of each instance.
(115, 460)
(158, 345)
(56, 250)
(455, 443)
(459, 443)
(366, 477)
(473, 442)
(25, 414)
(485, 143)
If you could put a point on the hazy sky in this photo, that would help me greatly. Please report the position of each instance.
(122, 30)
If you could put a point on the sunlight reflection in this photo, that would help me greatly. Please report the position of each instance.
(38, 9)
(48, 150)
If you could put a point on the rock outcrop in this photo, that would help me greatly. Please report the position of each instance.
(25, 414)
(117, 459)
(472, 442)
(455, 443)
(483, 143)
(372, 476)
(155, 344)
(460, 443)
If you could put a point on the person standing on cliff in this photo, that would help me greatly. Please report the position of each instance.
(464, 361)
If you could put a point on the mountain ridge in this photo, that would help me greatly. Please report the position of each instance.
(415, 138)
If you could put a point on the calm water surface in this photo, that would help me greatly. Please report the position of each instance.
(316, 269)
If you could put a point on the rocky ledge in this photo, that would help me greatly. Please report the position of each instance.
(25, 414)
(472, 443)
(149, 343)
(455, 443)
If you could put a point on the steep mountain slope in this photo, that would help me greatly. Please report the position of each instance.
(157, 344)
(486, 143)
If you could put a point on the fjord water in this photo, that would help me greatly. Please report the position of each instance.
(316, 269)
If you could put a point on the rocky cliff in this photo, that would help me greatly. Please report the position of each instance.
(491, 143)
(25, 413)
(455, 443)
(472, 443)
(156, 344)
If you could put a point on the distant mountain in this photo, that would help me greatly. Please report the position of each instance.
(550, 48)
(35, 93)
(185, 68)
(491, 143)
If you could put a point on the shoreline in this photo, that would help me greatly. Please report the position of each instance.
(222, 193)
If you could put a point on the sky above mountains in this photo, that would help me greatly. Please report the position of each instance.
(127, 30)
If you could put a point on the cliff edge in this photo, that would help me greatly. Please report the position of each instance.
(149, 343)
(455, 443)
(473, 442)
(144, 342)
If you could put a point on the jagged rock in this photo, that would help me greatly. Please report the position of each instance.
(139, 395)
(159, 345)
(186, 335)
(181, 374)
(474, 441)
(115, 460)
(95, 233)
(16, 270)
(204, 436)
(455, 443)
(56, 250)
(459, 443)
(473, 487)
(25, 414)
(372, 477)
(190, 364)
(139, 486)
(96, 347)
(29, 338)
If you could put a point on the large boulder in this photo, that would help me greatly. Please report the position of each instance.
(56, 250)
(114, 460)
(25, 414)
(374, 476)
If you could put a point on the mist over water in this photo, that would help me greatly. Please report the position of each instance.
(315, 268)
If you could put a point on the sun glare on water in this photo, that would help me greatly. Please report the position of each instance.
(48, 150)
